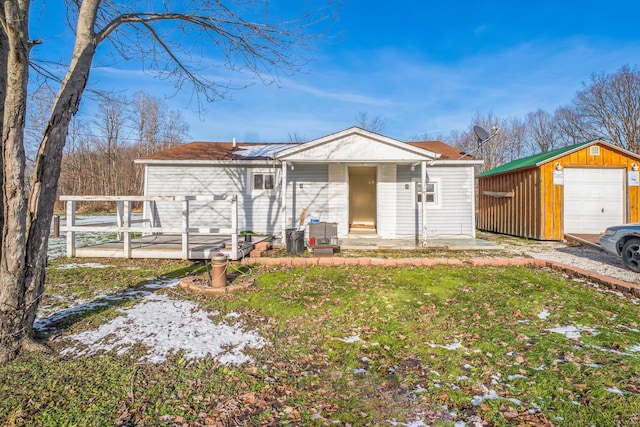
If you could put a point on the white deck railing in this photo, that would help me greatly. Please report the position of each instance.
(125, 227)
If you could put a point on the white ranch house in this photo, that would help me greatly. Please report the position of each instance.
(367, 183)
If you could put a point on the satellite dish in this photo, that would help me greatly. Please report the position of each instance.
(482, 134)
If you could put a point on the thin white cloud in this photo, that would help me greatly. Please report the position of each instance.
(413, 92)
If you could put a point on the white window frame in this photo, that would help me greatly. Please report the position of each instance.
(264, 172)
(437, 192)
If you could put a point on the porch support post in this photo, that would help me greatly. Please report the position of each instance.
(234, 227)
(283, 186)
(423, 199)
(185, 229)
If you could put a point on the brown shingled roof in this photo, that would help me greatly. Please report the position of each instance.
(204, 151)
(446, 151)
(226, 151)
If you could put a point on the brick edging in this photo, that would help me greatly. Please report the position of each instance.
(609, 282)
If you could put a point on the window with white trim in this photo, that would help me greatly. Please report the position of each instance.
(263, 181)
(432, 194)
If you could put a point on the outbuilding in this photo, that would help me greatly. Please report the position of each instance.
(576, 190)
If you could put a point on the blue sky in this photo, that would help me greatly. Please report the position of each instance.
(426, 67)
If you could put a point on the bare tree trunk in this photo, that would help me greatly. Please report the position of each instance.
(12, 259)
(26, 230)
(4, 59)
(49, 158)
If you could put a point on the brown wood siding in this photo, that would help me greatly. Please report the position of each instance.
(536, 209)
(517, 215)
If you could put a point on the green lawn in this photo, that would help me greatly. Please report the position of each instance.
(354, 345)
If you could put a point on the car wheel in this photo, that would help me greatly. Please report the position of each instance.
(631, 255)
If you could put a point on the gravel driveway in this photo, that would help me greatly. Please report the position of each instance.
(585, 257)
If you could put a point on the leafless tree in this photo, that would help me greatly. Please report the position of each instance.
(375, 124)
(506, 145)
(110, 124)
(608, 107)
(152, 32)
(156, 129)
(541, 132)
(296, 137)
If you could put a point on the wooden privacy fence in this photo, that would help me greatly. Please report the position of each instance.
(125, 226)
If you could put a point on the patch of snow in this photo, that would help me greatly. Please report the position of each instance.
(419, 423)
(516, 376)
(615, 390)
(609, 350)
(166, 325)
(593, 365)
(452, 346)
(490, 395)
(543, 314)
(84, 265)
(50, 324)
(420, 389)
(573, 332)
(359, 371)
(462, 378)
(350, 340)
(635, 348)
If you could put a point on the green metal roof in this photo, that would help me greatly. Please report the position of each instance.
(535, 160)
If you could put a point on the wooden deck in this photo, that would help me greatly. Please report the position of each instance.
(170, 247)
(177, 241)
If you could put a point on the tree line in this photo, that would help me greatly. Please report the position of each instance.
(607, 107)
(98, 158)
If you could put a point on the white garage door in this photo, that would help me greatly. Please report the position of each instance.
(593, 199)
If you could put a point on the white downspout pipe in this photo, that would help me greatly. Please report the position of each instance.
(423, 199)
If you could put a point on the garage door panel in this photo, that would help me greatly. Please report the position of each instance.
(593, 199)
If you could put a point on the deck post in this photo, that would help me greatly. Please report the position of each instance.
(71, 235)
(119, 213)
(234, 227)
(127, 224)
(185, 229)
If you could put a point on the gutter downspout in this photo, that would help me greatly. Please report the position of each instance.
(423, 199)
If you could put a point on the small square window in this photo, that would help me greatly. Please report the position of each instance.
(263, 181)
(431, 193)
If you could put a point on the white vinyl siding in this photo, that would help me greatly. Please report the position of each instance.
(257, 211)
(338, 200)
(308, 186)
(386, 190)
(451, 217)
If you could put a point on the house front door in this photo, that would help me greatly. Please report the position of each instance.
(362, 199)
